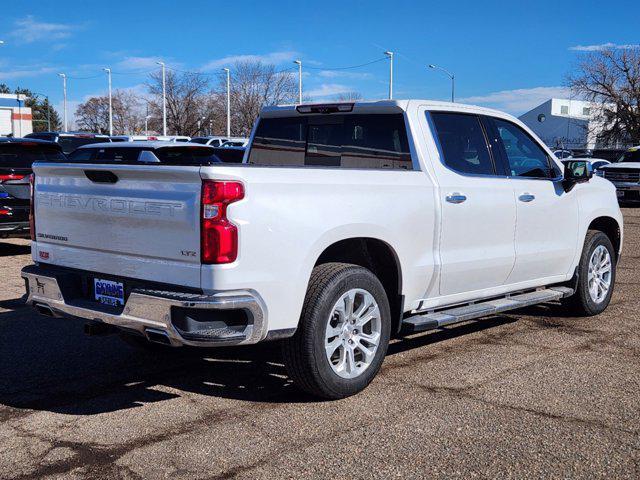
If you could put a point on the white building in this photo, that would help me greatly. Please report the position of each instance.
(562, 123)
(15, 118)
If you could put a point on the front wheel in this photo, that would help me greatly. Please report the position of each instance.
(596, 276)
(343, 333)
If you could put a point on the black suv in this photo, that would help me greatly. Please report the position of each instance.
(69, 141)
(16, 157)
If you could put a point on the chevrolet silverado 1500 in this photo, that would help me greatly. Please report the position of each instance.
(345, 224)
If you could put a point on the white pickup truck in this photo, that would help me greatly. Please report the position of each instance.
(346, 224)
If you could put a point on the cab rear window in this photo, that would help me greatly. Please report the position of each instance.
(336, 141)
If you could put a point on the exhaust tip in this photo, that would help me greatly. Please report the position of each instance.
(157, 336)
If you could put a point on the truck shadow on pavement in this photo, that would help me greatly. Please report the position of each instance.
(10, 249)
(49, 364)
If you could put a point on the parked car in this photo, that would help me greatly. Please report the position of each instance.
(236, 142)
(348, 223)
(16, 157)
(598, 163)
(69, 141)
(230, 154)
(136, 153)
(132, 138)
(214, 141)
(562, 154)
(625, 174)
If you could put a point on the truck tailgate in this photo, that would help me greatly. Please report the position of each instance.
(136, 221)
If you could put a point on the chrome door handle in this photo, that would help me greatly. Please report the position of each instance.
(455, 198)
(526, 197)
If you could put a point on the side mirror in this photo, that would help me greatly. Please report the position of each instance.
(576, 171)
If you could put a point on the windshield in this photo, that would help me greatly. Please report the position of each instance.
(22, 155)
(632, 155)
(183, 155)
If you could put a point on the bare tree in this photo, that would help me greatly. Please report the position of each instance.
(93, 115)
(611, 79)
(253, 85)
(188, 102)
(128, 116)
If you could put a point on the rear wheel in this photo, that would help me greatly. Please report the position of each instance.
(343, 333)
(596, 276)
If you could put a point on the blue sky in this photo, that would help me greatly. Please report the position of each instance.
(509, 55)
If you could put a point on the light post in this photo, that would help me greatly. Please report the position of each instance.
(108, 70)
(146, 124)
(228, 101)
(299, 63)
(164, 99)
(451, 76)
(390, 55)
(64, 101)
(20, 98)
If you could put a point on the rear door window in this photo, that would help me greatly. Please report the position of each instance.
(337, 141)
(462, 143)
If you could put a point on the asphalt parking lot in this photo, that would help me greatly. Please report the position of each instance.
(527, 395)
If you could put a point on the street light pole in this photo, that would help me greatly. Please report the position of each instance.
(164, 99)
(64, 101)
(108, 70)
(451, 76)
(390, 55)
(299, 63)
(228, 101)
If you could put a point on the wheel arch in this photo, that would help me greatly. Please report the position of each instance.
(611, 228)
(375, 255)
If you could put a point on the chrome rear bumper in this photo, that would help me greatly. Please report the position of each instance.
(148, 312)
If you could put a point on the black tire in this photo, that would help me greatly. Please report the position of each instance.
(304, 353)
(581, 303)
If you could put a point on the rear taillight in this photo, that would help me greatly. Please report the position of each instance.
(32, 208)
(219, 237)
(11, 176)
(4, 212)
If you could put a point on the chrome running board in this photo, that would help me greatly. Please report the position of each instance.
(436, 319)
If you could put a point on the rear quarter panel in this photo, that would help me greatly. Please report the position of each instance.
(289, 216)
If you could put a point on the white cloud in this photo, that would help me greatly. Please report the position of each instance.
(16, 72)
(328, 89)
(343, 74)
(517, 101)
(603, 46)
(30, 30)
(138, 63)
(276, 58)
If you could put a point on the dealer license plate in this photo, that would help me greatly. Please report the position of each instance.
(108, 292)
